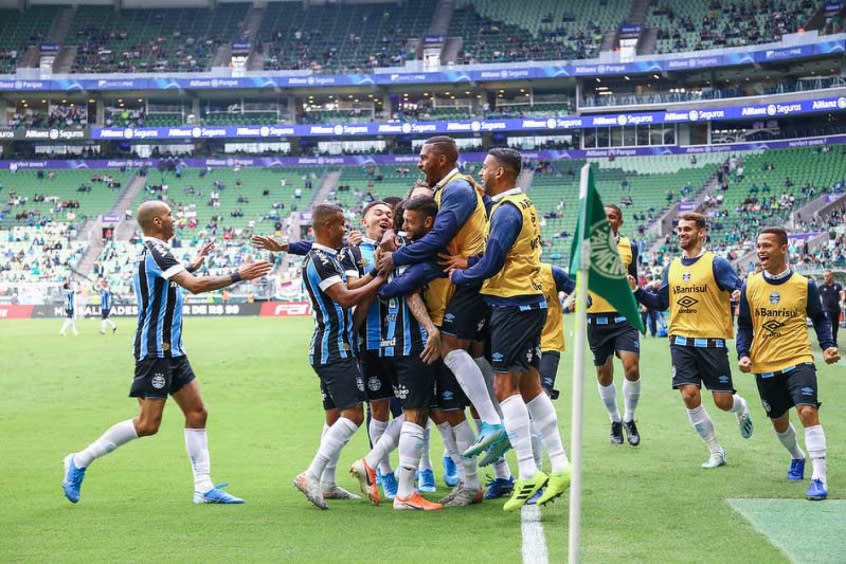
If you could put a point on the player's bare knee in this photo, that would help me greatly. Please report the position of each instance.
(354, 414)
(196, 418)
(691, 396)
(455, 417)
(808, 415)
(632, 372)
(147, 427)
(723, 400)
(605, 373)
(379, 409)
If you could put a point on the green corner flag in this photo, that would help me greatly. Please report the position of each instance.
(606, 275)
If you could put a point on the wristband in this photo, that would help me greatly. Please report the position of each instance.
(235, 277)
(373, 273)
(191, 269)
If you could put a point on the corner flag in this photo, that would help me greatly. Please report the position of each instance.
(607, 276)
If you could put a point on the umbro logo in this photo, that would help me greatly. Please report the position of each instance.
(772, 326)
(807, 391)
(723, 379)
(687, 302)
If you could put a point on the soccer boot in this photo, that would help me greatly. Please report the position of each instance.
(534, 499)
(73, 479)
(488, 435)
(389, 485)
(463, 497)
(451, 478)
(366, 477)
(217, 495)
(499, 487)
(744, 423)
(426, 481)
(816, 491)
(495, 452)
(617, 432)
(632, 434)
(557, 485)
(416, 502)
(717, 459)
(337, 492)
(311, 489)
(797, 469)
(524, 490)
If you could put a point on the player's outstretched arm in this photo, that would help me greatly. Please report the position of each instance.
(346, 297)
(200, 284)
(267, 243)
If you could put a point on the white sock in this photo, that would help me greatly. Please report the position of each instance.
(815, 443)
(464, 439)
(631, 397)
(425, 460)
(73, 327)
(378, 455)
(501, 469)
(327, 479)
(103, 326)
(545, 420)
(516, 419)
(704, 426)
(65, 324)
(788, 440)
(116, 435)
(472, 381)
(410, 447)
(537, 445)
(608, 395)
(488, 373)
(110, 323)
(330, 445)
(197, 447)
(374, 431)
(448, 437)
(738, 405)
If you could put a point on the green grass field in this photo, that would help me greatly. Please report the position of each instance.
(647, 504)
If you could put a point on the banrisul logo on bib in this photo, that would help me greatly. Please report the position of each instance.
(603, 251)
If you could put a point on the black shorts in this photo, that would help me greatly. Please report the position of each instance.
(700, 365)
(341, 384)
(466, 315)
(69, 313)
(609, 338)
(413, 381)
(788, 389)
(448, 395)
(515, 338)
(104, 313)
(376, 374)
(155, 378)
(548, 371)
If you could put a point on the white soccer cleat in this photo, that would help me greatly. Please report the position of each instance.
(717, 459)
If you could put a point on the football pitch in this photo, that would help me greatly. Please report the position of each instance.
(652, 503)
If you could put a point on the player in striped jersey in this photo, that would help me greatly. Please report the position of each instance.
(333, 349)
(161, 365)
(106, 307)
(69, 304)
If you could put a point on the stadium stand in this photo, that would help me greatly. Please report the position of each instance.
(358, 186)
(174, 39)
(497, 31)
(32, 198)
(643, 187)
(694, 26)
(40, 253)
(342, 38)
(19, 30)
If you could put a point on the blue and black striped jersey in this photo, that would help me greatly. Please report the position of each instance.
(68, 298)
(400, 332)
(333, 339)
(159, 333)
(105, 299)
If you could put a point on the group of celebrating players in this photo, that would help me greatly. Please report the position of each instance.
(443, 303)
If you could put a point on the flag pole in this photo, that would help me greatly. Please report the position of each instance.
(578, 371)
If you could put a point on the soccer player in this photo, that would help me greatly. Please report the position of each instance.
(458, 228)
(106, 307)
(697, 287)
(773, 344)
(832, 295)
(609, 334)
(510, 272)
(161, 364)
(69, 299)
(553, 280)
(449, 403)
(333, 348)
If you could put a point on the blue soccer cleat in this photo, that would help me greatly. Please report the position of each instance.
(495, 452)
(797, 469)
(426, 481)
(499, 487)
(73, 479)
(389, 485)
(488, 435)
(534, 499)
(451, 477)
(217, 495)
(816, 491)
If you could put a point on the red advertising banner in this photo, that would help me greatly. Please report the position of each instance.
(285, 309)
(16, 311)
